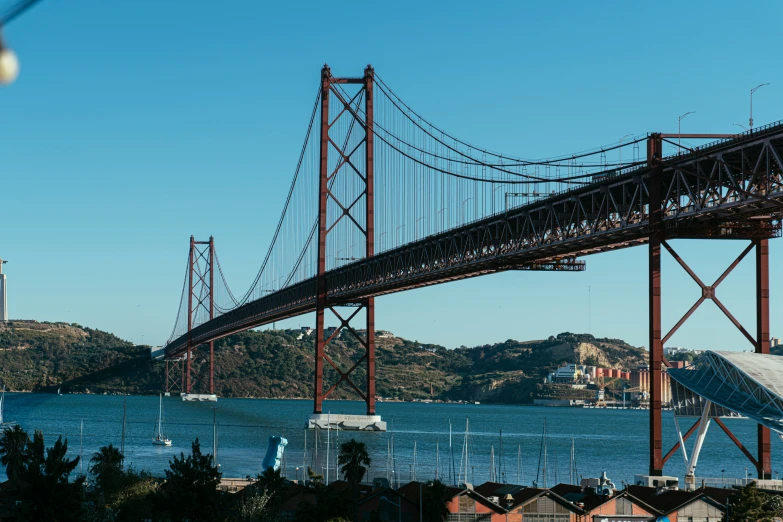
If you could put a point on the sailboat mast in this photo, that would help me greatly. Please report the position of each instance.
(519, 463)
(81, 444)
(328, 432)
(492, 477)
(160, 416)
(501, 472)
(545, 459)
(414, 462)
(571, 477)
(214, 437)
(452, 479)
(437, 459)
(304, 455)
(124, 415)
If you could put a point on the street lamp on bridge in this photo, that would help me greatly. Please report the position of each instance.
(679, 122)
(397, 235)
(750, 121)
(443, 224)
(462, 211)
(620, 149)
(741, 126)
(416, 225)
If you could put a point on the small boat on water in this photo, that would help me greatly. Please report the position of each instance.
(160, 439)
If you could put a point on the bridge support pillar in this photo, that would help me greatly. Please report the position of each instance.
(357, 162)
(764, 459)
(174, 375)
(201, 299)
(654, 154)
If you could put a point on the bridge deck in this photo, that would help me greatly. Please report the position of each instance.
(729, 189)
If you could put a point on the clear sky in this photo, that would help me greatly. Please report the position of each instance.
(136, 124)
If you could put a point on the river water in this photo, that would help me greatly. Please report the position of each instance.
(614, 441)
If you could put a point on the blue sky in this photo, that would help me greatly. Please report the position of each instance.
(134, 125)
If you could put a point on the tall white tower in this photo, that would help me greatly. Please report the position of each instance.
(3, 294)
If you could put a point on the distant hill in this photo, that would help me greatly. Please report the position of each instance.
(43, 356)
(274, 363)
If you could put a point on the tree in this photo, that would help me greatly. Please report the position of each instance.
(12, 450)
(42, 489)
(254, 508)
(751, 504)
(436, 496)
(354, 461)
(314, 478)
(133, 501)
(106, 465)
(190, 492)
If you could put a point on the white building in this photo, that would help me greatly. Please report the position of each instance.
(571, 373)
(3, 294)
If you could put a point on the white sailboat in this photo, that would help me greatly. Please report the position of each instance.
(160, 439)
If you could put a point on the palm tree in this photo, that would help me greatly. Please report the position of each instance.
(12, 450)
(106, 465)
(436, 496)
(44, 491)
(354, 461)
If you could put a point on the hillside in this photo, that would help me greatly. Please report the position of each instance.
(274, 363)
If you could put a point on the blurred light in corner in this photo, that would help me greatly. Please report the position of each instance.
(9, 65)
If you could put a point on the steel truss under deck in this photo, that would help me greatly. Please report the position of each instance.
(729, 190)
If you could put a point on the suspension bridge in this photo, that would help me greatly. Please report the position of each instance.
(382, 200)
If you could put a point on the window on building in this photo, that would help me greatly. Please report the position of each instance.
(467, 504)
(545, 509)
(623, 506)
(699, 511)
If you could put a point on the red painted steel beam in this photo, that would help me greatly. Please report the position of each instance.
(186, 387)
(764, 465)
(654, 154)
(684, 438)
(736, 441)
(699, 136)
(211, 312)
(369, 100)
(323, 191)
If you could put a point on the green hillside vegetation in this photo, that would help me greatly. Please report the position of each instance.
(274, 363)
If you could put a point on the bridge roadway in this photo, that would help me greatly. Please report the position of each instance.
(728, 189)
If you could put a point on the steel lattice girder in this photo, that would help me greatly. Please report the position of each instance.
(732, 189)
(746, 383)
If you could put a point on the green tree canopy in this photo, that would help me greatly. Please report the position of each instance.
(106, 466)
(190, 492)
(42, 490)
(354, 461)
(751, 504)
(435, 497)
(12, 450)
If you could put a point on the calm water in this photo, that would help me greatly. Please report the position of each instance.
(605, 440)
